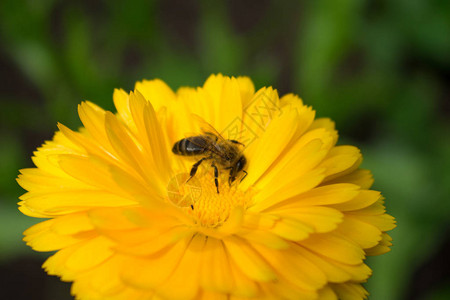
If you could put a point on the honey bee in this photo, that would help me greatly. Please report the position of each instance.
(224, 154)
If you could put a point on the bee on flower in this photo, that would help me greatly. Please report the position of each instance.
(270, 207)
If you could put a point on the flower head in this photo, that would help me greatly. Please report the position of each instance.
(128, 221)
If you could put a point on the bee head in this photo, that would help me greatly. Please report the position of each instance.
(240, 164)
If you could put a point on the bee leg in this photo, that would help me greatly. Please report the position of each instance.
(231, 178)
(244, 175)
(236, 142)
(216, 176)
(195, 167)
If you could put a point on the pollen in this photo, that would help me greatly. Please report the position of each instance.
(199, 198)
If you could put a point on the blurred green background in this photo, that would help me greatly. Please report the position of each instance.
(380, 69)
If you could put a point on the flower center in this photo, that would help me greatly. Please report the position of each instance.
(199, 198)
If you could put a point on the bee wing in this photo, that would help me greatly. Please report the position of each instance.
(206, 128)
(208, 143)
(202, 141)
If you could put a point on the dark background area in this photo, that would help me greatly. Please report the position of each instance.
(380, 69)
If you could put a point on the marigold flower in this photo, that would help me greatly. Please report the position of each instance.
(125, 224)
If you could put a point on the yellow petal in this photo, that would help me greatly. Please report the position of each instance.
(324, 195)
(291, 229)
(269, 147)
(350, 291)
(271, 196)
(305, 113)
(179, 121)
(85, 143)
(382, 247)
(244, 286)
(152, 271)
(135, 188)
(326, 124)
(37, 179)
(179, 285)
(121, 99)
(341, 160)
(208, 295)
(364, 199)
(127, 149)
(92, 172)
(360, 177)
(263, 237)
(72, 224)
(336, 271)
(260, 220)
(87, 287)
(30, 212)
(156, 141)
(148, 242)
(56, 264)
(157, 92)
(283, 289)
(216, 270)
(282, 180)
(327, 293)
(304, 154)
(104, 279)
(90, 253)
(93, 118)
(246, 88)
(73, 201)
(376, 208)
(383, 222)
(257, 115)
(322, 219)
(334, 247)
(39, 227)
(41, 238)
(137, 165)
(331, 270)
(364, 234)
(249, 261)
(225, 97)
(109, 218)
(59, 145)
(295, 268)
(83, 289)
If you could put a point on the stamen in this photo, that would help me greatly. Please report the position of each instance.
(206, 206)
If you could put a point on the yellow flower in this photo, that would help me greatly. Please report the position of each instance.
(127, 225)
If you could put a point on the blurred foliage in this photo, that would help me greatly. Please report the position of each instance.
(380, 69)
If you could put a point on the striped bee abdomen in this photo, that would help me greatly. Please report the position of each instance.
(195, 145)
